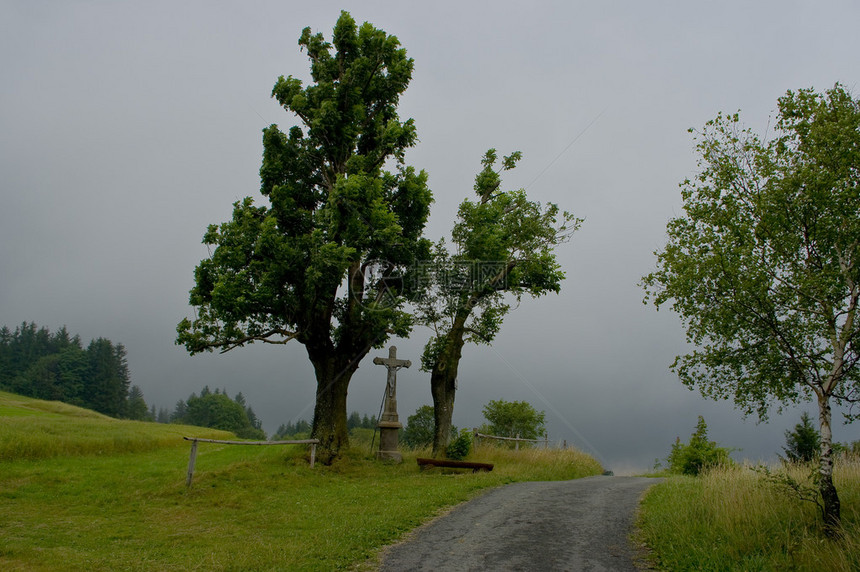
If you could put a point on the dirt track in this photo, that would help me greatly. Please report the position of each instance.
(579, 525)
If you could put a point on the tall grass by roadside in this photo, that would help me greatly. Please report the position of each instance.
(36, 429)
(537, 463)
(251, 508)
(528, 463)
(731, 518)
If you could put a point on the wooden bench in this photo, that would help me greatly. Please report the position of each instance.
(424, 463)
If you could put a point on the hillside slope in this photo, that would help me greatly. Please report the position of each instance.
(35, 429)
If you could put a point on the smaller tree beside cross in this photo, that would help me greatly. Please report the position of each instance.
(503, 250)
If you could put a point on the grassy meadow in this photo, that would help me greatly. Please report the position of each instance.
(731, 518)
(80, 491)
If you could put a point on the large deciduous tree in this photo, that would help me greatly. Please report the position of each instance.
(320, 262)
(503, 249)
(764, 266)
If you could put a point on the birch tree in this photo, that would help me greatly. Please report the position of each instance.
(763, 267)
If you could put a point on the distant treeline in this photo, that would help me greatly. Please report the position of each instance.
(302, 428)
(56, 366)
(216, 410)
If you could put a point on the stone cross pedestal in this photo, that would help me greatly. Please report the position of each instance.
(389, 424)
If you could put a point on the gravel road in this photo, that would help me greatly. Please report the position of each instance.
(580, 525)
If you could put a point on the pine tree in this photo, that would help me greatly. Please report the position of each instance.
(179, 412)
(107, 385)
(136, 407)
(803, 443)
(353, 421)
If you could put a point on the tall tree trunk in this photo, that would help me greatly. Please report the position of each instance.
(329, 423)
(831, 510)
(443, 386)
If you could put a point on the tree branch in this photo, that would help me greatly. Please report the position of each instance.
(226, 346)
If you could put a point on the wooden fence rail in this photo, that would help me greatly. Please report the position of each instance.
(194, 440)
(516, 439)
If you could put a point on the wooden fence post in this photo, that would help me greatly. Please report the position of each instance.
(475, 438)
(313, 454)
(517, 443)
(191, 461)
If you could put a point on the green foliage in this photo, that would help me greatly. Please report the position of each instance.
(323, 260)
(357, 421)
(503, 245)
(503, 249)
(514, 419)
(763, 267)
(699, 454)
(300, 429)
(788, 484)
(136, 408)
(218, 411)
(460, 447)
(419, 428)
(803, 443)
(55, 366)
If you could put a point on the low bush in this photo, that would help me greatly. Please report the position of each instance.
(699, 454)
(460, 447)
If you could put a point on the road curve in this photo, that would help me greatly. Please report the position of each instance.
(580, 525)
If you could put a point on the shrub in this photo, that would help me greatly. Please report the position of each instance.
(459, 447)
(698, 454)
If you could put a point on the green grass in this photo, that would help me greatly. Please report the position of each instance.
(112, 496)
(731, 519)
(35, 429)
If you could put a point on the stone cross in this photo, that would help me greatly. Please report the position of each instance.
(393, 364)
(390, 423)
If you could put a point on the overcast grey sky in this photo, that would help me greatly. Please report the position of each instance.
(127, 128)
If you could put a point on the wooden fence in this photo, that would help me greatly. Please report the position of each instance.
(194, 440)
(516, 439)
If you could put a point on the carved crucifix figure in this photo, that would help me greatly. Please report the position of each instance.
(390, 423)
(393, 364)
